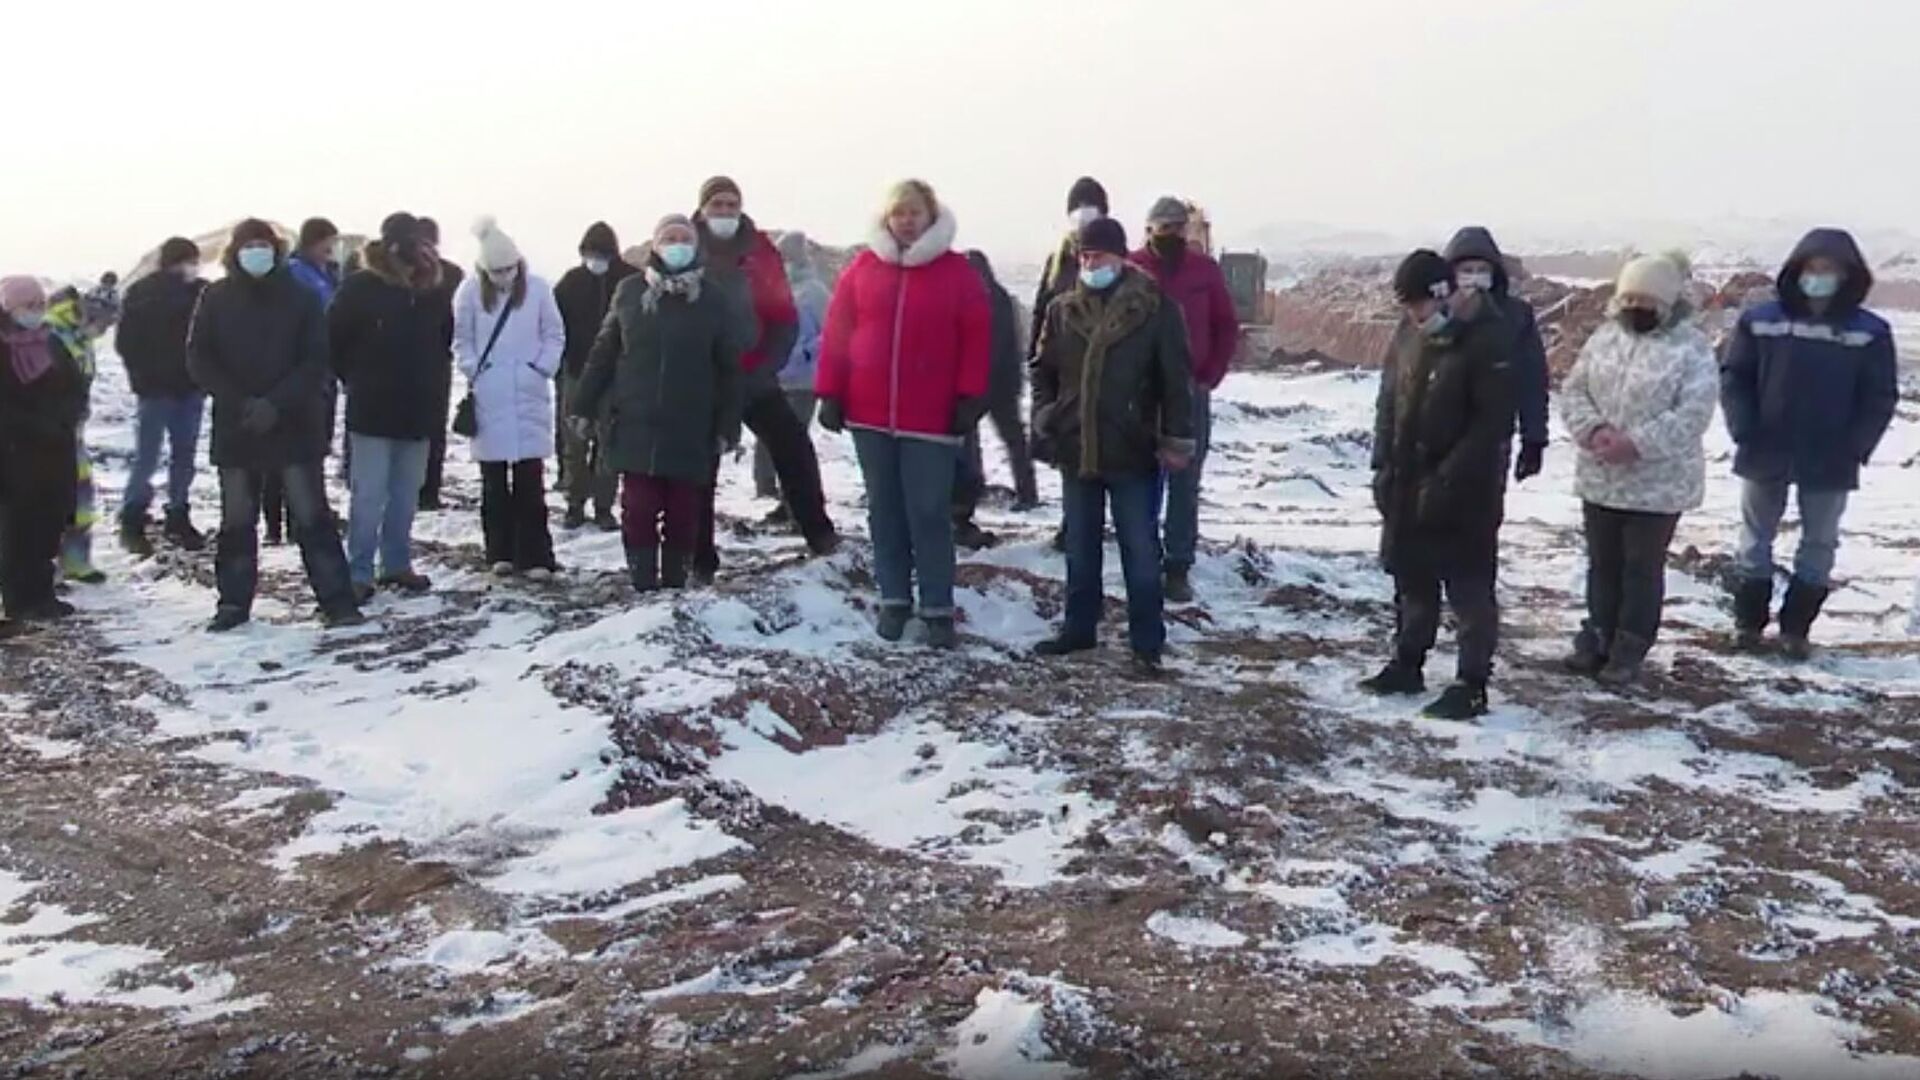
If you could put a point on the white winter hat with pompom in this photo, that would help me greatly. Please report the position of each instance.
(1659, 277)
(497, 249)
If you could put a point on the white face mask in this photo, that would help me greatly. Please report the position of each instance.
(1480, 280)
(189, 271)
(723, 227)
(1080, 218)
(597, 266)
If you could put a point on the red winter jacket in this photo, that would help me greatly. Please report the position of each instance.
(908, 335)
(752, 257)
(1213, 327)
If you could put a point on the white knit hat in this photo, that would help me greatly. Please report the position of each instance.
(497, 249)
(1658, 276)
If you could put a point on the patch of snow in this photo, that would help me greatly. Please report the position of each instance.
(1193, 932)
(501, 1007)
(464, 952)
(1004, 1038)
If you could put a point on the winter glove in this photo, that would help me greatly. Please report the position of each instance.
(967, 413)
(259, 416)
(832, 416)
(1532, 460)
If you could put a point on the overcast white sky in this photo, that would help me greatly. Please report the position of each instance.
(1394, 114)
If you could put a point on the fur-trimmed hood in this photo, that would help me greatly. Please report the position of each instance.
(423, 276)
(935, 242)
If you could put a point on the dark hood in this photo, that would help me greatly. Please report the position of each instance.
(422, 275)
(1835, 244)
(600, 240)
(1475, 242)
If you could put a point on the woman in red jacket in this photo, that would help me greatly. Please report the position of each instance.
(904, 363)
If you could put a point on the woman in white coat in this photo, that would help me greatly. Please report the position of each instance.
(508, 339)
(1637, 403)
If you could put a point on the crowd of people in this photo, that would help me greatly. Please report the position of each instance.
(639, 370)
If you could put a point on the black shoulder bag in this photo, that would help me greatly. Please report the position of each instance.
(466, 418)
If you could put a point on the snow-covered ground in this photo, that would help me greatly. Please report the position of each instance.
(731, 830)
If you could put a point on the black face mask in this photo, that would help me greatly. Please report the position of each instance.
(1639, 320)
(1168, 247)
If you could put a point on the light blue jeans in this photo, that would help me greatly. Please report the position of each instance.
(1763, 505)
(385, 478)
(176, 422)
(910, 516)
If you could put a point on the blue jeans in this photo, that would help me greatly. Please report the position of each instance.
(385, 480)
(1085, 501)
(177, 422)
(1762, 505)
(1182, 490)
(909, 514)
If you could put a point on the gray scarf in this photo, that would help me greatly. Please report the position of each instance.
(660, 283)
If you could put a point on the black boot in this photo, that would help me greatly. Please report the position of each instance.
(179, 532)
(1797, 615)
(1629, 655)
(1461, 701)
(1177, 587)
(1589, 656)
(1396, 679)
(643, 568)
(941, 633)
(892, 624)
(133, 537)
(1752, 604)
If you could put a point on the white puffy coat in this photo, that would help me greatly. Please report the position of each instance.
(513, 398)
(1660, 389)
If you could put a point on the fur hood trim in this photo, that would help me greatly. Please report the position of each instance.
(385, 265)
(935, 242)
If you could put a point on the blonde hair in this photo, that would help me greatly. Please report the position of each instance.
(906, 189)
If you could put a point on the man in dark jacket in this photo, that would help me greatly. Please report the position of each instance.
(1809, 384)
(1086, 202)
(1112, 406)
(1479, 266)
(450, 277)
(747, 268)
(584, 295)
(391, 339)
(1004, 391)
(1441, 423)
(152, 342)
(259, 345)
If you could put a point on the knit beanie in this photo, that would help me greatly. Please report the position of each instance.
(400, 229)
(718, 185)
(1656, 276)
(252, 231)
(316, 230)
(669, 221)
(1423, 275)
(1167, 210)
(1087, 191)
(601, 241)
(178, 250)
(1104, 235)
(497, 249)
(20, 292)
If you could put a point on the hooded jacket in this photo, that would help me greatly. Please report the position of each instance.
(263, 338)
(1660, 390)
(513, 397)
(1808, 397)
(1113, 386)
(1443, 416)
(747, 269)
(908, 335)
(1530, 375)
(152, 339)
(667, 377)
(1194, 281)
(584, 298)
(390, 329)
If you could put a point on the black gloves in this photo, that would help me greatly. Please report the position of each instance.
(259, 416)
(832, 416)
(967, 413)
(1532, 459)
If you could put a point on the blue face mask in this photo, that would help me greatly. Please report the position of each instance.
(257, 261)
(29, 320)
(1101, 278)
(1820, 286)
(676, 257)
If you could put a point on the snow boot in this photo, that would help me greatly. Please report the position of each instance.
(1589, 656)
(643, 568)
(969, 536)
(226, 619)
(133, 537)
(892, 624)
(1797, 614)
(1396, 680)
(1461, 701)
(1624, 662)
(940, 632)
(408, 582)
(179, 532)
(1177, 588)
(1752, 603)
(1062, 645)
(342, 617)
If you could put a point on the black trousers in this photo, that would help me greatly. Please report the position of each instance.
(1475, 611)
(30, 532)
(1626, 571)
(436, 467)
(767, 414)
(236, 556)
(971, 482)
(513, 514)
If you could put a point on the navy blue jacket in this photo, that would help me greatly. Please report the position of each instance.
(1807, 397)
(1529, 354)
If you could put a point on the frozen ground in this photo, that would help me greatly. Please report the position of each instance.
(509, 830)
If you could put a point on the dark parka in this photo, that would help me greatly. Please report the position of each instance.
(1057, 279)
(37, 425)
(584, 298)
(670, 380)
(263, 338)
(1530, 376)
(1007, 377)
(152, 338)
(390, 332)
(1113, 386)
(1441, 423)
(1807, 398)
